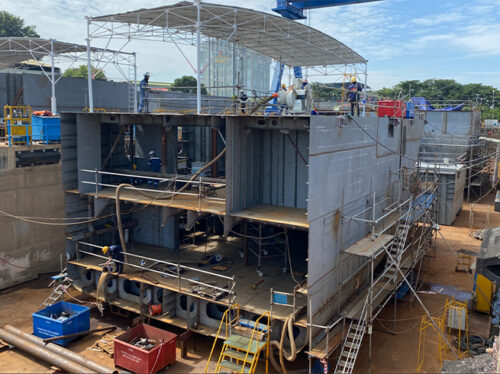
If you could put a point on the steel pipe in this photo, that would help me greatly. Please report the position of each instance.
(63, 352)
(43, 353)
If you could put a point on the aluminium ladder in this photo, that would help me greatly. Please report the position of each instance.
(398, 247)
(352, 341)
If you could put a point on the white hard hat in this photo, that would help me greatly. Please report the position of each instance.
(152, 153)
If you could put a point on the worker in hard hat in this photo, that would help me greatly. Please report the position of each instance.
(242, 99)
(143, 93)
(154, 166)
(282, 95)
(115, 253)
(353, 95)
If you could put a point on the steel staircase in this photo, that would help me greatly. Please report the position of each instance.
(398, 246)
(352, 341)
(244, 341)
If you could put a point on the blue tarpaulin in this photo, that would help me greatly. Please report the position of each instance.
(421, 204)
(423, 104)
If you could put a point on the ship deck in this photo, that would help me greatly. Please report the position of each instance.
(252, 300)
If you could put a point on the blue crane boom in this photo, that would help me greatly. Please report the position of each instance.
(294, 9)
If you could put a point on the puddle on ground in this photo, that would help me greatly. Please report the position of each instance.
(444, 289)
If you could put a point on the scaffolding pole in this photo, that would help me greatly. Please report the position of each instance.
(89, 70)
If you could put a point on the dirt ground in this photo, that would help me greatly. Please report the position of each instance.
(394, 346)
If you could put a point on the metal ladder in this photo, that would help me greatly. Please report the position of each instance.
(244, 341)
(62, 283)
(131, 104)
(352, 341)
(398, 247)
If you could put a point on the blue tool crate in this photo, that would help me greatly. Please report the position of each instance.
(46, 326)
(46, 129)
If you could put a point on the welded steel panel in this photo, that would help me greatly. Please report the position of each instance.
(347, 161)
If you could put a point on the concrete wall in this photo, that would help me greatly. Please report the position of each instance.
(27, 249)
(345, 165)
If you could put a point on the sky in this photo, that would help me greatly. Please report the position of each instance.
(401, 39)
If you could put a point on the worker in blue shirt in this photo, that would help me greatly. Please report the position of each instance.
(115, 254)
(154, 166)
(353, 95)
(143, 93)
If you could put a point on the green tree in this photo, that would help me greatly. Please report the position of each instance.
(325, 91)
(10, 25)
(82, 72)
(187, 84)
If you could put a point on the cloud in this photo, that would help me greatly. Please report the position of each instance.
(391, 34)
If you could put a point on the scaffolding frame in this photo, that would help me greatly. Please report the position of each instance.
(186, 24)
(19, 49)
(415, 250)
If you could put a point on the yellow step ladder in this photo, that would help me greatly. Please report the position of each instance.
(244, 341)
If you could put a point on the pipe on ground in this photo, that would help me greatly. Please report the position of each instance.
(43, 353)
(66, 353)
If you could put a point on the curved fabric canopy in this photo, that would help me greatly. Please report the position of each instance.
(290, 42)
(14, 50)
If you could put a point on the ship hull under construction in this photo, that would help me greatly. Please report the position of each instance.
(292, 214)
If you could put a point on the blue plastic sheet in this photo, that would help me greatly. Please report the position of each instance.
(423, 104)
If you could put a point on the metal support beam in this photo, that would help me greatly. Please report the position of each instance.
(198, 59)
(89, 70)
(53, 104)
(135, 83)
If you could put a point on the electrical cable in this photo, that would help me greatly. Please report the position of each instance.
(398, 332)
(287, 248)
(475, 344)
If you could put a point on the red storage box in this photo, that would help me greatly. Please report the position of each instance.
(139, 360)
(392, 108)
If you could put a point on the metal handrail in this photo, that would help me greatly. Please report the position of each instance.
(151, 190)
(268, 333)
(155, 178)
(229, 290)
(224, 318)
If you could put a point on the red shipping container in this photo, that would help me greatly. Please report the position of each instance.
(138, 360)
(391, 108)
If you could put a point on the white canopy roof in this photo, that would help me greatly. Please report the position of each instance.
(290, 42)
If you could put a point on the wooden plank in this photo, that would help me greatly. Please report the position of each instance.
(367, 247)
(186, 202)
(294, 217)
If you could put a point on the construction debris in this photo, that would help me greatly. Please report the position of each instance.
(144, 343)
(479, 234)
(61, 317)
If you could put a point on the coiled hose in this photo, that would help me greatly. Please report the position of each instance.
(477, 345)
(280, 346)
